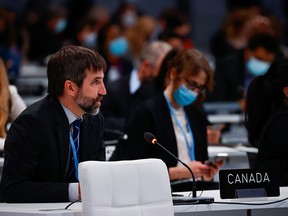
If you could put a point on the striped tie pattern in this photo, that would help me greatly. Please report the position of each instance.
(75, 136)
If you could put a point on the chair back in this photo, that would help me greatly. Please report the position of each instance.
(125, 188)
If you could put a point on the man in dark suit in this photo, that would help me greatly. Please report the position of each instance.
(40, 154)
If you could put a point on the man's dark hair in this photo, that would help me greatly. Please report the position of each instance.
(268, 42)
(71, 63)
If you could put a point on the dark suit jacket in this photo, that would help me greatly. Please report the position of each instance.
(118, 102)
(229, 78)
(273, 149)
(37, 152)
(153, 116)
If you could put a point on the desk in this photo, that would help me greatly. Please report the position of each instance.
(279, 209)
(57, 209)
(237, 157)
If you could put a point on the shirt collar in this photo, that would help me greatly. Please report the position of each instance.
(70, 115)
(134, 82)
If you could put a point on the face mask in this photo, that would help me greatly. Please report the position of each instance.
(90, 40)
(257, 67)
(129, 19)
(60, 26)
(118, 47)
(184, 96)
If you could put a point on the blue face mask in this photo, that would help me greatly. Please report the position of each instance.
(60, 26)
(184, 96)
(90, 40)
(119, 46)
(257, 67)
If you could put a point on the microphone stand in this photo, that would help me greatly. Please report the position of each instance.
(194, 199)
(179, 199)
(185, 165)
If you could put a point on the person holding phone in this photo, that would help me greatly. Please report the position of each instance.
(172, 117)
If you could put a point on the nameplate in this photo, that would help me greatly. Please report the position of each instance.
(247, 183)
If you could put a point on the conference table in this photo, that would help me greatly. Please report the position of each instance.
(230, 207)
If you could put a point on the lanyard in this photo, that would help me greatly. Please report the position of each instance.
(190, 145)
(75, 158)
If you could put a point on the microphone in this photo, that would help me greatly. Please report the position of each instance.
(150, 138)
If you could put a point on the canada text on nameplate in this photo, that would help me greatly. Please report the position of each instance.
(250, 182)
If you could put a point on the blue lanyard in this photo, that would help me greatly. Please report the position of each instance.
(75, 158)
(191, 145)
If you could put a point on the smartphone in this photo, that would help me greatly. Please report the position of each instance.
(218, 158)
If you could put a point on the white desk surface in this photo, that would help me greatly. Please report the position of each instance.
(57, 209)
(231, 151)
(1, 161)
(182, 209)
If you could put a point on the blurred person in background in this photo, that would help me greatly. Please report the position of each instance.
(10, 44)
(239, 25)
(126, 14)
(113, 46)
(231, 36)
(266, 120)
(175, 40)
(11, 104)
(234, 73)
(139, 35)
(44, 26)
(87, 28)
(128, 91)
(172, 22)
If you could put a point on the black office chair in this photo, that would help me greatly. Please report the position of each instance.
(118, 140)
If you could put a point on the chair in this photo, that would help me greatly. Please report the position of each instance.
(125, 188)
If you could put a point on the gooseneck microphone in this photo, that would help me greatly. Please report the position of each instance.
(150, 138)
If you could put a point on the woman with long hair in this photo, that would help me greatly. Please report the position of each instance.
(173, 118)
(11, 104)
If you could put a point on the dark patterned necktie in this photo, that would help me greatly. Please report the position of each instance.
(75, 136)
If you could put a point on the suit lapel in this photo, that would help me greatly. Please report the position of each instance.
(194, 127)
(63, 145)
(62, 135)
(167, 131)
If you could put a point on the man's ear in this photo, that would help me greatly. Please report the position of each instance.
(70, 87)
(285, 91)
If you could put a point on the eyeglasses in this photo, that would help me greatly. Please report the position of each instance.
(194, 85)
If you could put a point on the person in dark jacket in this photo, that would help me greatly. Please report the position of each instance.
(40, 154)
(177, 124)
(266, 118)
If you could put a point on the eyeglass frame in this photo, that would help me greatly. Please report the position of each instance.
(192, 85)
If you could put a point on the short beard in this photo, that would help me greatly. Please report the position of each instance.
(89, 109)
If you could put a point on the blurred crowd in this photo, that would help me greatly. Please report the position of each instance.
(43, 27)
(247, 42)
